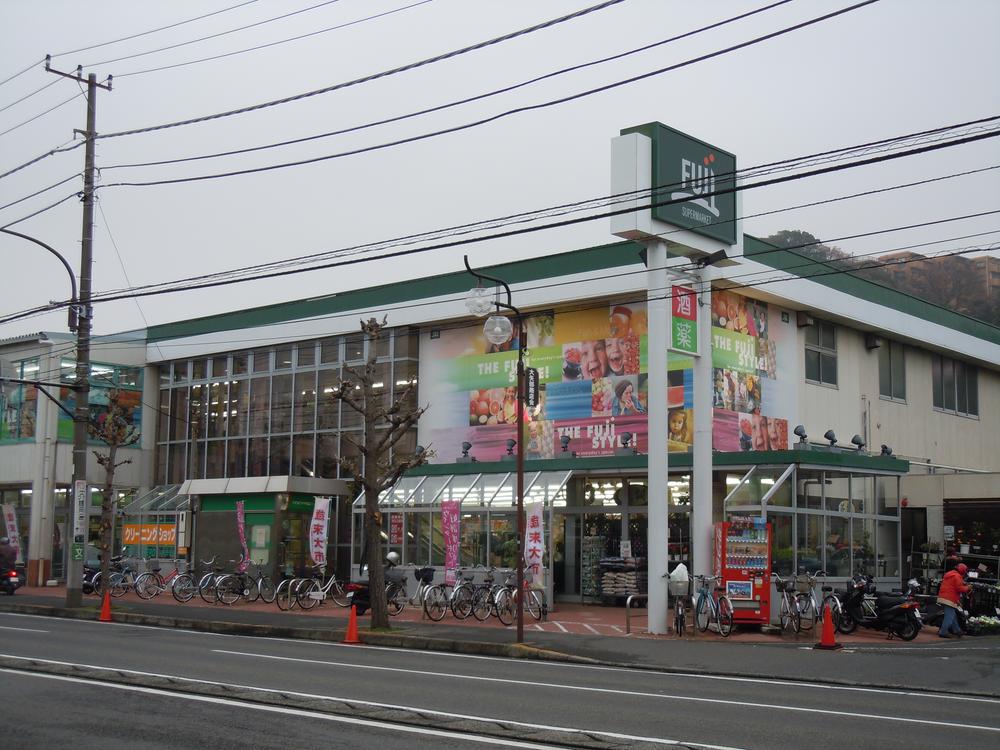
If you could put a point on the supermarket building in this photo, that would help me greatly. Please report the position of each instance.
(835, 352)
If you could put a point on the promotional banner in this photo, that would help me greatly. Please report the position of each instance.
(534, 542)
(241, 528)
(10, 529)
(317, 530)
(593, 367)
(450, 520)
(153, 534)
(395, 528)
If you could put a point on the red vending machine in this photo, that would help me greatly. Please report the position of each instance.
(743, 559)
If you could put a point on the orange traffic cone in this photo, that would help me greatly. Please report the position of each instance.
(828, 642)
(106, 608)
(352, 627)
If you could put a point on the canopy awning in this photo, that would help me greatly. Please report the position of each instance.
(473, 490)
(165, 498)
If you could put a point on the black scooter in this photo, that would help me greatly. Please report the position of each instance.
(359, 592)
(11, 579)
(863, 605)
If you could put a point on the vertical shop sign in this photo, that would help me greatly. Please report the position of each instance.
(80, 511)
(396, 528)
(317, 530)
(450, 529)
(241, 528)
(534, 541)
(684, 321)
(10, 525)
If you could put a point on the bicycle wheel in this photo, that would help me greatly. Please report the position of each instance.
(284, 596)
(228, 589)
(119, 585)
(183, 588)
(482, 605)
(395, 599)
(679, 623)
(206, 589)
(533, 603)
(461, 602)
(338, 595)
(266, 589)
(784, 613)
(807, 611)
(702, 613)
(436, 603)
(847, 624)
(725, 616)
(308, 593)
(146, 585)
(251, 589)
(504, 606)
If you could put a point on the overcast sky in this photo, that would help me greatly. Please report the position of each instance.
(884, 70)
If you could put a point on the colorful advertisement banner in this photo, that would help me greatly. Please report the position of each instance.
(450, 520)
(241, 528)
(534, 542)
(152, 534)
(317, 530)
(10, 528)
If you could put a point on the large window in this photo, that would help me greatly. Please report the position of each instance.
(955, 386)
(892, 371)
(821, 353)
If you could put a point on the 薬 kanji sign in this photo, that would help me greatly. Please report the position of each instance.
(684, 320)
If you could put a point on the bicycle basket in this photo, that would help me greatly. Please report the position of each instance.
(802, 584)
(679, 587)
(424, 575)
(786, 585)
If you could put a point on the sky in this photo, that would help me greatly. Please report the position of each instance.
(884, 70)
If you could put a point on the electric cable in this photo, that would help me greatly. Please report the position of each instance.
(22, 72)
(608, 214)
(57, 150)
(28, 96)
(266, 45)
(458, 102)
(39, 192)
(41, 210)
(41, 114)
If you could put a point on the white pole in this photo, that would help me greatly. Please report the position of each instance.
(657, 534)
(701, 489)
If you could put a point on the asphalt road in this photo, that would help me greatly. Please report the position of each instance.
(636, 706)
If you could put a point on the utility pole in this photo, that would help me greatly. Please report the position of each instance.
(81, 418)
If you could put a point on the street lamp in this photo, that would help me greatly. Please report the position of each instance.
(498, 330)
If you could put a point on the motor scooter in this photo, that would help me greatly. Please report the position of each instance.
(359, 592)
(863, 605)
(11, 579)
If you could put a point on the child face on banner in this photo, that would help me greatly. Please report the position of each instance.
(594, 359)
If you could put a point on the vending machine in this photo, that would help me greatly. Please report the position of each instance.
(743, 559)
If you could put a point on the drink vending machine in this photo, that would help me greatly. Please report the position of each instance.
(743, 559)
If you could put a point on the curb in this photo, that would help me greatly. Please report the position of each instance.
(427, 643)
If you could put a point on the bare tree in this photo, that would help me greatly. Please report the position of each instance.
(378, 466)
(115, 429)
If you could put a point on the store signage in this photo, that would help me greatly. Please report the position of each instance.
(10, 526)
(684, 320)
(79, 510)
(531, 387)
(149, 533)
(396, 528)
(317, 530)
(949, 533)
(534, 541)
(691, 181)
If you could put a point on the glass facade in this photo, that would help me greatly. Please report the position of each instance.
(271, 411)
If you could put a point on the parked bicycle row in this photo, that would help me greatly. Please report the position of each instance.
(244, 581)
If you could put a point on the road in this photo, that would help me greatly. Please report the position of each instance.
(534, 701)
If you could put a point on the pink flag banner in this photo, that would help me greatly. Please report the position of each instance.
(317, 530)
(241, 527)
(450, 520)
(534, 542)
(10, 526)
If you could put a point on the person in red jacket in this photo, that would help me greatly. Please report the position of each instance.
(950, 597)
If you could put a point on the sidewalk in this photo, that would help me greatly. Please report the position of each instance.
(586, 634)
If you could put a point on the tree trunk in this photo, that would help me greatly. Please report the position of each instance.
(107, 517)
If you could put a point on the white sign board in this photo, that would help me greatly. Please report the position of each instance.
(80, 502)
(949, 532)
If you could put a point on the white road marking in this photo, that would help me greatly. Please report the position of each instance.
(559, 625)
(591, 628)
(638, 694)
(294, 712)
(543, 663)
(315, 696)
(23, 630)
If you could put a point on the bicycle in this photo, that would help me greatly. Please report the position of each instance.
(311, 591)
(123, 578)
(712, 604)
(251, 587)
(439, 597)
(152, 583)
(679, 590)
(789, 608)
(396, 595)
(484, 596)
(805, 600)
(505, 602)
(186, 585)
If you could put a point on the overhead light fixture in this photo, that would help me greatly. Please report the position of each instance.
(831, 436)
(859, 442)
(479, 301)
(466, 447)
(800, 430)
(886, 450)
(510, 446)
(712, 258)
(498, 329)
(564, 442)
(626, 439)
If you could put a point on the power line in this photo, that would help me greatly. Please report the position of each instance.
(466, 126)
(277, 43)
(39, 192)
(41, 114)
(40, 211)
(153, 31)
(28, 96)
(605, 214)
(22, 72)
(372, 77)
(57, 150)
(459, 102)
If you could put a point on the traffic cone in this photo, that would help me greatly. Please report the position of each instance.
(828, 642)
(105, 608)
(352, 627)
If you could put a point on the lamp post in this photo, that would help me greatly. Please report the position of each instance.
(498, 330)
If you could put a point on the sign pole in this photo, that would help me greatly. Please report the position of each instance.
(658, 305)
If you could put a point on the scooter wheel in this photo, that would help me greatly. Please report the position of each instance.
(908, 632)
(847, 624)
